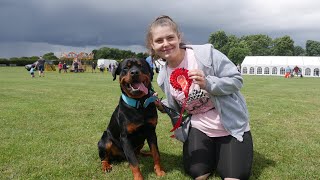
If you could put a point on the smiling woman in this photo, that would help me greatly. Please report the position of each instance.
(164, 42)
(221, 115)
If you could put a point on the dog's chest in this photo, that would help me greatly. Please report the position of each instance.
(135, 127)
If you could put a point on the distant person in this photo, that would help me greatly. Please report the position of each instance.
(296, 70)
(150, 62)
(101, 67)
(239, 67)
(60, 66)
(76, 65)
(300, 73)
(65, 67)
(113, 67)
(32, 69)
(287, 72)
(94, 66)
(40, 65)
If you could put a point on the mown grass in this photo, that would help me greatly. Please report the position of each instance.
(50, 127)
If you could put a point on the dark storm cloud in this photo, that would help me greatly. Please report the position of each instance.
(80, 23)
(68, 24)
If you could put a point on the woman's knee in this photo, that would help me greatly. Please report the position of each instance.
(197, 170)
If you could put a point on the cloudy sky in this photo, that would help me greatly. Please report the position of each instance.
(36, 27)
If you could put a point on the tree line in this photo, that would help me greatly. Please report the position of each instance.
(260, 45)
(235, 48)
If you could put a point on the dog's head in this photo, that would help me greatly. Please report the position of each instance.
(134, 77)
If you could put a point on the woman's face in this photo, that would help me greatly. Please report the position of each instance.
(165, 42)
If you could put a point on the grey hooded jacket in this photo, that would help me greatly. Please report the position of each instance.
(223, 82)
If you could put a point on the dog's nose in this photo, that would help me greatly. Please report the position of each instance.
(134, 72)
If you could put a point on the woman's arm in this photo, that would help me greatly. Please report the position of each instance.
(226, 79)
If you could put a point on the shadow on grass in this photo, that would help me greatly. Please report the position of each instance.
(169, 162)
(260, 162)
(172, 163)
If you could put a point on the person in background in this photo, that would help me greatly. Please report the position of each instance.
(219, 138)
(239, 67)
(32, 69)
(150, 62)
(296, 70)
(300, 73)
(113, 67)
(287, 72)
(65, 67)
(75, 65)
(101, 67)
(40, 65)
(94, 66)
(60, 66)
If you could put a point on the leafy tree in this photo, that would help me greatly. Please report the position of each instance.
(283, 46)
(128, 54)
(218, 40)
(313, 48)
(233, 41)
(238, 52)
(142, 55)
(113, 53)
(50, 56)
(34, 58)
(259, 44)
(94, 53)
(14, 59)
(24, 58)
(299, 51)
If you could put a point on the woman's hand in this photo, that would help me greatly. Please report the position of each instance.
(198, 77)
(158, 103)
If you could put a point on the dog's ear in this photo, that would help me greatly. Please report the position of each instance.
(116, 72)
(147, 65)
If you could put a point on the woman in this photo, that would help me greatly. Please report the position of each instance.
(219, 138)
(60, 66)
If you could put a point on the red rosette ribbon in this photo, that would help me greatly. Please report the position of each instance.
(180, 80)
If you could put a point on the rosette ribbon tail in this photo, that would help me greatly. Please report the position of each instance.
(180, 80)
(178, 123)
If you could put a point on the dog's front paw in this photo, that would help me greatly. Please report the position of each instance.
(158, 170)
(138, 177)
(160, 173)
(106, 167)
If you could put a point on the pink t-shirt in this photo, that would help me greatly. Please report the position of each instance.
(204, 116)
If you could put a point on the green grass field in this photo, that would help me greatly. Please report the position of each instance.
(50, 126)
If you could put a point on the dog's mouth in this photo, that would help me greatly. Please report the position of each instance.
(137, 87)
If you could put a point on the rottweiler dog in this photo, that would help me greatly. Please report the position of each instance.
(133, 121)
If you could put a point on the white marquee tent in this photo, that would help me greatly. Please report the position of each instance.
(276, 65)
(106, 62)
